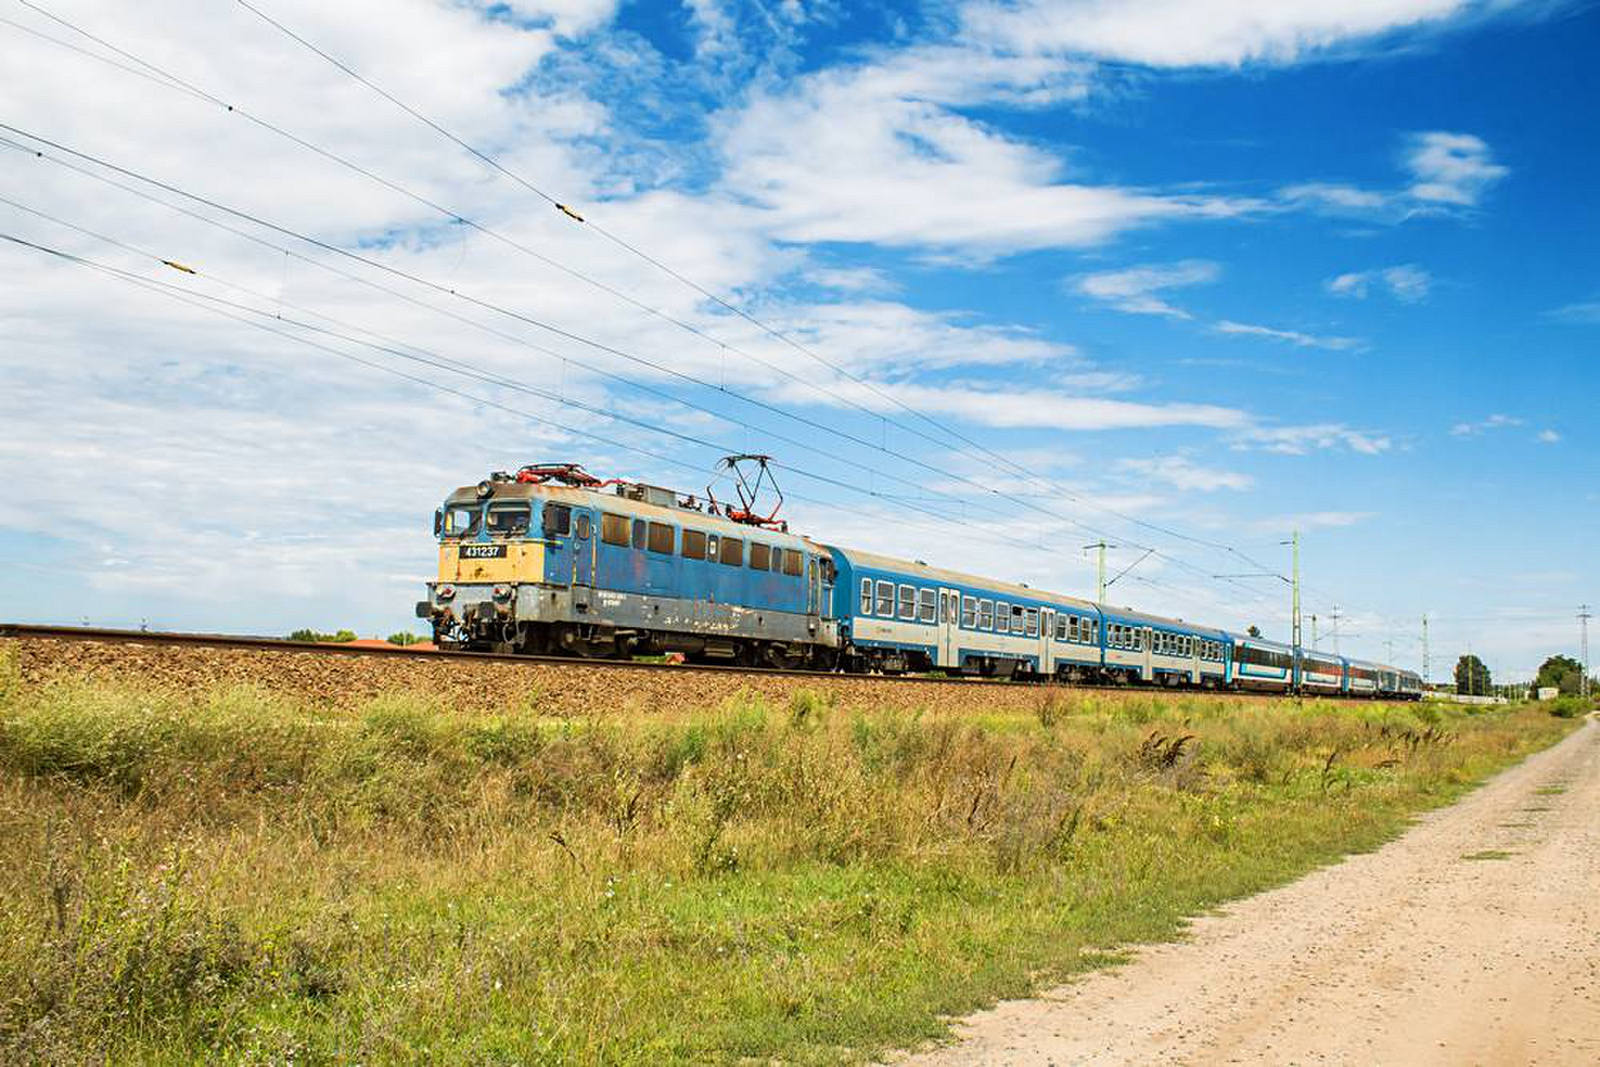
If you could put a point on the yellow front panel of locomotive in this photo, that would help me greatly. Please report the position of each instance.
(521, 562)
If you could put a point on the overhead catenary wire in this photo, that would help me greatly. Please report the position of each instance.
(170, 80)
(263, 319)
(488, 305)
(785, 337)
(888, 476)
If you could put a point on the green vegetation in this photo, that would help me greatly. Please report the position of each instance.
(1472, 676)
(313, 636)
(1569, 707)
(1562, 673)
(1489, 854)
(404, 638)
(233, 876)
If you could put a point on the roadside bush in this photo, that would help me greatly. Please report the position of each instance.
(1569, 707)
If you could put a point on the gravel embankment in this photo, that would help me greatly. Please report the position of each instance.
(555, 689)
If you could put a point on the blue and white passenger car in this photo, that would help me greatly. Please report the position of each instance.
(1153, 649)
(900, 615)
(1258, 664)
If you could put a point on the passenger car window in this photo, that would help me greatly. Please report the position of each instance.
(1033, 622)
(928, 609)
(886, 599)
(969, 611)
(985, 614)
(908, 602)
(694, 544)
(1002, 617)
(661, 538)
(866, 596)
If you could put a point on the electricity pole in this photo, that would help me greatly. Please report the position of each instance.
(1100, 584)
(1425, 664)
(1583, 620)
(1313, 631)
(1388, 650)
(1335, 617)
(1295, 626)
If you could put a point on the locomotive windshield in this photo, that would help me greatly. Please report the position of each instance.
(460, 520)
(509, 519)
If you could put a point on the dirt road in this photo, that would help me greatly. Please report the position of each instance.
(1415, 954)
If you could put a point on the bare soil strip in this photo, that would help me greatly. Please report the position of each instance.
(1472, 939)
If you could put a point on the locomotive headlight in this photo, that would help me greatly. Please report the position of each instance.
(445, 592)
(502, 592)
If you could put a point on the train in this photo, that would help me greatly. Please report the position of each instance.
(550, 560)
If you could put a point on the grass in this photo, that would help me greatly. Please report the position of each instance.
(231, 875)
(1489, 854)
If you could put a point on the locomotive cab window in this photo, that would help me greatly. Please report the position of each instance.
(732, 552)
(557, 520)
(460, 521)
(509, 520)
(583, 527)
(791, 562)
(761, 556)
(640, 533)
(614, 529)
(694, 544)
(661, 538)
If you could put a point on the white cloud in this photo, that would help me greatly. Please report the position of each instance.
(1299, 440)
(1180, 472)
(994, 406)
(1188, 33)
(1134, 289)
(1448, 172)
(1451, 168)
(1586, 311)
(1548, 437)
(1493, 422)
(864, 156)
(852, 279)
(1294, 337)
(1408, 283)
(1312, 520)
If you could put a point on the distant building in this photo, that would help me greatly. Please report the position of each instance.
(1548, 692)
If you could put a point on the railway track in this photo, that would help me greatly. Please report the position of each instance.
(104, 635)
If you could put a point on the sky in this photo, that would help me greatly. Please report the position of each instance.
(991, 280)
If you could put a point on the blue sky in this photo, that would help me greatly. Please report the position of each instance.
(1197, 273)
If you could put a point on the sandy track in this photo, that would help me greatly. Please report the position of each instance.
(1409, 955)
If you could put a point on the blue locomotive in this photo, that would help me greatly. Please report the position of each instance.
(550, 560)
